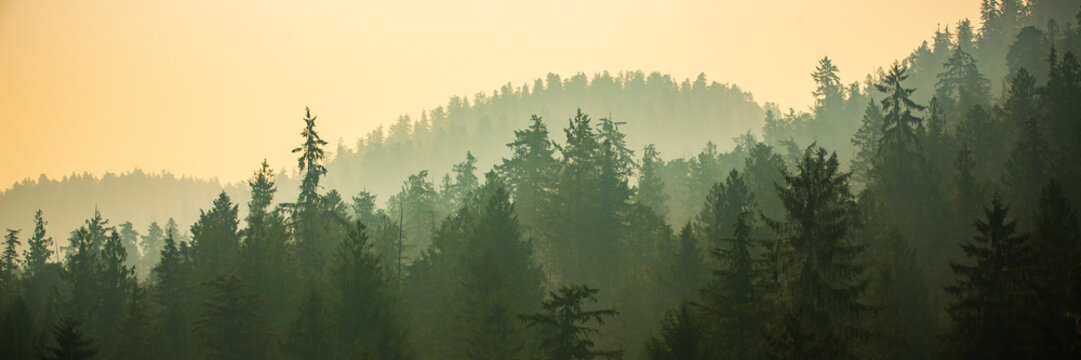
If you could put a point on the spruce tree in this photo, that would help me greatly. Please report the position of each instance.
(688, 267)
(992, 289)
(39, 249)
(682, 336)
(566, 324)
(1056, 244)
(9, 263)
(650, 185)
(305, 210)
(733, 300)
(215, 239)
(364, 305)
(230, 326)
(820, 278)
(70, 342)
(151, 244)
(530, 170)
(309, 335)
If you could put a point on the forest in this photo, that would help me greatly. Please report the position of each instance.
(929, 211)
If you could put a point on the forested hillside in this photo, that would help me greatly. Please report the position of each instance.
(929, 211)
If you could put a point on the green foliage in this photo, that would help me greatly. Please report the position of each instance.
(566, 324)
(682, 336)
(816, 262)
(229, 326)
(70, 343)
(992, 289)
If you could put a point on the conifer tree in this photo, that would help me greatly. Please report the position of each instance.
(866, 140)
(1029, 167)
(39, 249)
(171, 291)
(566, 324)
(650, 185)
(309, 335)
(689, 268)
(305, 211)
(130, 239)
(1056, 244)
(500, 279)
(725, 201)
(682, 336)
(71, 344)
(992, 289)
(9, 263)
(364, 310)
(17, 330)
(215, 239)
(230, 326)
(151, 244)
(115, 282)
(820, 278)
(530, 170)
(733, 299)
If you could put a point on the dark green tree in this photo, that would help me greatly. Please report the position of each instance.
(9, 264)
(566, 324)
(306, 219)
(688, 270)
(39, 249)
(733, 300)
(1056, 244)
(682, 336)
(310, 334)
(70, 343)
(171, 291)
(215, 240)
(866, 140)
(530, 170)
(992, 289)
(821, 279)
(230, 326)
(365, 316)
(650, 185)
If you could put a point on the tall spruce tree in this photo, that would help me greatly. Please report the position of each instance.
(992, 289)
(364, 306)
(733, 300)
(821, 280)
(530, 170)
(230, 326)
(306, 219)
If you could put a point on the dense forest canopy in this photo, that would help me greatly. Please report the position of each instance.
(927, 211)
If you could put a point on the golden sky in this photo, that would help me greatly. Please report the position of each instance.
(210, 88)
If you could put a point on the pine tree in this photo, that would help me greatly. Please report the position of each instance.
(866, 140)
(960, 85)
(17, 332)
(230, 326)
(39, 249)
(499, 278)
(725, 201)
(566, 324)
(266, 256)
(733, 300)
(309, 335)
(992, 289)
(828, 94)
(899, 152)
(650, 185)
(305, 211)
(688, 267)
(215, 239)
(364, 305)
(151, 244)
(682, 336)
(820, 278)
(130, 239)
(70, 341)
(531, 170)
(115, 282)
(1029, 167)
(171, 291)
(9, 263)
(1056, 244)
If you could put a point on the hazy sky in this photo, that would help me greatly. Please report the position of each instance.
(209, 88)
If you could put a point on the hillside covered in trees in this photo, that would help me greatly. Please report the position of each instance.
(929, 211)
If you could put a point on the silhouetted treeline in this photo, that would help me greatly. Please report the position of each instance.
(945, 228)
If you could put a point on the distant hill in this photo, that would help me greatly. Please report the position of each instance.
(678, 116)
